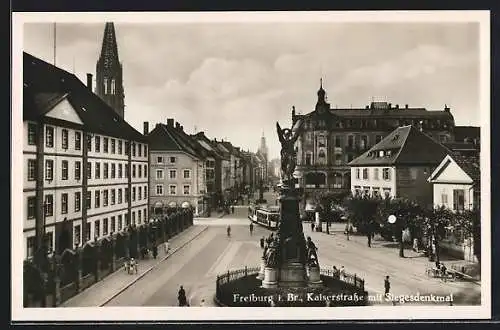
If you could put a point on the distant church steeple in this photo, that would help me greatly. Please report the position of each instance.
(109, 72)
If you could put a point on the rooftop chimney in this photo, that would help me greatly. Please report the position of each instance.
(146, 128)
(181, 128)
(170, 122)
(89, 81)
(406, 106)
(446, 108)
(177, 125)
(397, 106)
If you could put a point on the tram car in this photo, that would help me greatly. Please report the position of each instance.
(264, 216)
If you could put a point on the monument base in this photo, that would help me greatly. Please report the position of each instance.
(293, 275)
(260, 276)
(314, 280)
(270, 278)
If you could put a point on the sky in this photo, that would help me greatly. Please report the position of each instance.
(235, 80)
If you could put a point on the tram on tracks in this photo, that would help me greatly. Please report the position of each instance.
(267, 217)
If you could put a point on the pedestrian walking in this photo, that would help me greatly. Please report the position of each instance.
(415, 245)
(251, 228)
(262, 241)
(202, 303)
(387, 285)
(166, 247)
(155, 251)
(232, 209)
(228, 231)
(342, 273)
(181, 297)
(312, 226)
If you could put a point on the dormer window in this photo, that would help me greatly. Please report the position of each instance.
(381, 153)
(395, 137)
(388, 153)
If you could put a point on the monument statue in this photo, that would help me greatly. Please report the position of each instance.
(312, 256)
(287, 138)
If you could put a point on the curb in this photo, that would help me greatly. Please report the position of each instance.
(150, 269)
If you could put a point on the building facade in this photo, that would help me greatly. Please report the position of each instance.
(177, 169)
(85, 168)
(398, 166)
(456, 186)
(332, 137)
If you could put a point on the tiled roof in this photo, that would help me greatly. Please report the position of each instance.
(165, 138)
(45, 85)
(404, 113)
(470, 165)
(407, 146)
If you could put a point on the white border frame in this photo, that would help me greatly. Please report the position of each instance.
(240, 313)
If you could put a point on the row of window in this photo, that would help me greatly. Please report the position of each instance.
(162, 160)
(186, 189)
(109, 197)
(352, 141)
(109, 225)
(386, 173)
(109, 170)
(375, 191)
(337, 158)
(186, 174)
(374, 123)
(109, 145)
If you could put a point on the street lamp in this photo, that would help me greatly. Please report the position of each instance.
(392, 219)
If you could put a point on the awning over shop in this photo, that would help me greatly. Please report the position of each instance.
(186, 205)
(158, 205)
(172, 204)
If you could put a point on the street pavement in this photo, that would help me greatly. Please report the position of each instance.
(99, 293)
(196, 265)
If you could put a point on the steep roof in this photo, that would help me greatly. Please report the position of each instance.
(168, 138)
(470, 165)
(406, 145)
(46, 85)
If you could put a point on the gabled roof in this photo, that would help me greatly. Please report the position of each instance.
(167, 138)
(46, 85)
(206, 144)
(470, 165)
(406, 145)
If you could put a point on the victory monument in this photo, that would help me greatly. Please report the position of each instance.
(289, 259)
(289, 265)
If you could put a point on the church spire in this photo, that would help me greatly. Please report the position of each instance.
(109, 80)
(109, 49)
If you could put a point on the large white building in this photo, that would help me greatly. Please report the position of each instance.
(178, 177)
(398, 166)
(85, 168)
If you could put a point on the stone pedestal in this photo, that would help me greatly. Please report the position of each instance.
(270, 278)
(292, 274)
(260, 276)
(314, 279)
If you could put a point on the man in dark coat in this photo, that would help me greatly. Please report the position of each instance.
(181, 296)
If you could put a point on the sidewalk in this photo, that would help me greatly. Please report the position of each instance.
(103, 291)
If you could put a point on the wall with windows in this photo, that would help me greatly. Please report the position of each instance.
(457, 197)
(374, 181)
(63, 179)
(175, 177)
